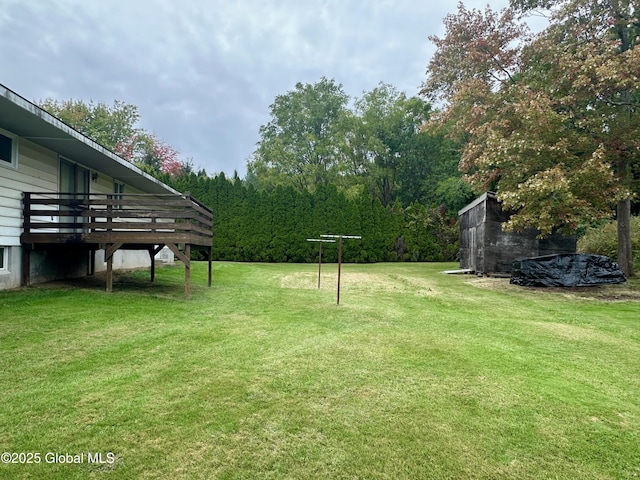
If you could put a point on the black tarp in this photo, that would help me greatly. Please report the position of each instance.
(566, 270)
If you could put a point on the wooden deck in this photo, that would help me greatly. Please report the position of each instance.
(113, 222)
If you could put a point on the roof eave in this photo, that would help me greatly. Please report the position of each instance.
(22, 117)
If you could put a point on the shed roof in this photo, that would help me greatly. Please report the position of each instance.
(482, 198)
(22, 117)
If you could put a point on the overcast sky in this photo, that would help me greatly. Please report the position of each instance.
(204, 72)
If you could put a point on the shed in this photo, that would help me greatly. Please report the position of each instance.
(486, 249)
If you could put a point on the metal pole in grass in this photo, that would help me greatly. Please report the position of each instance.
(320, 241)
(340, 237)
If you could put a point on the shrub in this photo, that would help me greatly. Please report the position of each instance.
(603, 240)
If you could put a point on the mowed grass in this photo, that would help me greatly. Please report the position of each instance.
(416, 374)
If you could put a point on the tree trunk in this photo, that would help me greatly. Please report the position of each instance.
(625, 252)
(625, 255)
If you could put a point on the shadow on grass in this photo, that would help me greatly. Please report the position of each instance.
(169, 281)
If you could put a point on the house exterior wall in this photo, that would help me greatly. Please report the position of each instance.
(486, 248)
(37, 170)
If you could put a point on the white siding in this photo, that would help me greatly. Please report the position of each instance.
(37, 172)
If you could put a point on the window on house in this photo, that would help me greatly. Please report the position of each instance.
(3, 258)
(8, 149)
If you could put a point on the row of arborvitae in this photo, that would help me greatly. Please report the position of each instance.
(272, 226)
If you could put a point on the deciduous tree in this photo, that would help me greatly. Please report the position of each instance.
(116, 128)
(112, 126)
(549, 121)
(300, 145)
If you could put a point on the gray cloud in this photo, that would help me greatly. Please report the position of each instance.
(204, 72)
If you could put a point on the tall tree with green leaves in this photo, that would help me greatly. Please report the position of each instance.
(314, 138)
(380, 138)
(300, 145)
(550, 120)
(383, 138)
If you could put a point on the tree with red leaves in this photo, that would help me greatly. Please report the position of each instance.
(114, 127)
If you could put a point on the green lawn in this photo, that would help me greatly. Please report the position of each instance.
(416, 374)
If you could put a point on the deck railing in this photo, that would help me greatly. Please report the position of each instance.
(112, 218)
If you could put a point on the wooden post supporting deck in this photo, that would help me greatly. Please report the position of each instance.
(186, 259)
(92, 261)
(319, 262)
(110, 249)
(109, 273)
(209, 259)
(187, 271)
(339, 265)
(26, 248)
(26, 265)
(153, 264)
(153, 251)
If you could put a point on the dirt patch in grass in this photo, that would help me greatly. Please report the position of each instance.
(361, 282)
(302, 280)
(575, 332)
(612, 293)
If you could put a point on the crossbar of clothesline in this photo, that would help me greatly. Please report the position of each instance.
(341, 236)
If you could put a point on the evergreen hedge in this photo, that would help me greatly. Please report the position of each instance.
(272, 226)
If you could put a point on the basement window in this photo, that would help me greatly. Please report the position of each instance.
(4, 254)
(8, 149)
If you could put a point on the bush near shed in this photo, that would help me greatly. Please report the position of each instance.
(603, 240)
